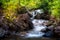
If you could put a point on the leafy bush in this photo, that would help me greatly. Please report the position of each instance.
(55, 9)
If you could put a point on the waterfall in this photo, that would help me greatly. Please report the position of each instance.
(35, 12)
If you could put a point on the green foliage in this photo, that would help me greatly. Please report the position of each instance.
(9, 8)
(55, 9)
(52, 6)
(30, 4)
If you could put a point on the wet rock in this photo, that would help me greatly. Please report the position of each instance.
(23, 33)
(24, 22)
(44, 15)
(2, 32)
(57, 31)
(48, 34)
(51, 28)
(48, 23)
(38, 16)
(44, 30)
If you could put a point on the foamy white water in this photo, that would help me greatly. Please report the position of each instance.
(35, 12)
(36, 32)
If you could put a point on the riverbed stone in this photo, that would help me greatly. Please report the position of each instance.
(24, 22)
(45, 16)
(57, 31)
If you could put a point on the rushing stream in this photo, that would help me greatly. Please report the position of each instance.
(36, 32)
(38, 26)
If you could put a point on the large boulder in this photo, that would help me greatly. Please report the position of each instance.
(20, 24)
(44, 15)
(24, 22)
(57, 31)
